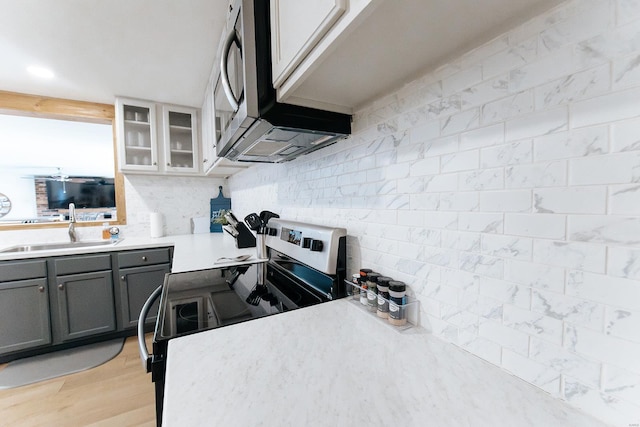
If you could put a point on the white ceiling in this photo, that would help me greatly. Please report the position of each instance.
(161, 50)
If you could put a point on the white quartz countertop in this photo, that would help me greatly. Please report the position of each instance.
(191, 251)
(335, 364)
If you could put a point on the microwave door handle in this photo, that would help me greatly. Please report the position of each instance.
(224, 76)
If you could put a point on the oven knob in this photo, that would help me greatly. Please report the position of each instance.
(316, 245)
(306, 242)
(272, 231)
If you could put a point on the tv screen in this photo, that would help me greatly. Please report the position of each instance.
(87, 192)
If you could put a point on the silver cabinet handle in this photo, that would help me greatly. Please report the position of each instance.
(40, 288)
(61, 287)
(144, 258)
(123, 278)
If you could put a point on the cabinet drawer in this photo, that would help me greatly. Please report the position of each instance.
(144, 257)
(82, 264)
(21, 270)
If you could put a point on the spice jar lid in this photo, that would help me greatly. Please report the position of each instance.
(383, 281)
(397, 286)
(373, 277)
(365, 271)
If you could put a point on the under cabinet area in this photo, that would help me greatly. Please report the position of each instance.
(24, 306)
(156, 138)
(140, 272)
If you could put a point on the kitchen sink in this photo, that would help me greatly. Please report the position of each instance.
(66, 245)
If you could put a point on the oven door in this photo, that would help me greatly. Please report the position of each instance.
(235, 99)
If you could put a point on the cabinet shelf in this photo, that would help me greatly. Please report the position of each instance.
(180, 128)
(137, 123)
(138, 148)
(182, 152)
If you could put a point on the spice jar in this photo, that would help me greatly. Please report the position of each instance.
(383, 296)
(364, 273)
(354, 288)
(372, 291)
(397, 299)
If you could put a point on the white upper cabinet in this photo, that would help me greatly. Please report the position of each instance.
(156, 143)
(297, 27)
(303, 34)
(180, 127)
(208, 130)
(137, 136)
(340, 55)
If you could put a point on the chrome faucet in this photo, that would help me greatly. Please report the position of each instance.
(72, 223)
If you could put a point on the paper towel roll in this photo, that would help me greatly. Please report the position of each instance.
(156, 224)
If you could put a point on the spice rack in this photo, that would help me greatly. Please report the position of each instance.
(410, 309)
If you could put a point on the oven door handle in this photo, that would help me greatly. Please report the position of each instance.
(224, 73)
(142, 345)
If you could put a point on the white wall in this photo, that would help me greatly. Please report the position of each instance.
(504, 188)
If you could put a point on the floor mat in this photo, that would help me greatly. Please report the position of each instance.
(51, 365)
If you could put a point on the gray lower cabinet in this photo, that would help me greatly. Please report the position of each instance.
(24, 306)
(82, 302)
(140, 273)
(65, 300)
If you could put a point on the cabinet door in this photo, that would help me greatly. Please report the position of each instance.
(136, 284)
(208, 131)
(137, 142)
(296, 27)
(85, 305)
(180, 139)
(24, 315)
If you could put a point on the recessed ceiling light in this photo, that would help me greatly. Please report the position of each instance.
(43, 73)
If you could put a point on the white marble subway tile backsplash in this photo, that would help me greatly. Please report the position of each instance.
(504, 188)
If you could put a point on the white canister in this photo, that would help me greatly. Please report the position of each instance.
(156, 224)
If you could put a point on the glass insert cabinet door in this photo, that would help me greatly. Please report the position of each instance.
(157, 138)
(137, 140)
(180, 142)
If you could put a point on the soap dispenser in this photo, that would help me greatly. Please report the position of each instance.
(106, 235)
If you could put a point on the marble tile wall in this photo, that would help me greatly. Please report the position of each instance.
(504, 187)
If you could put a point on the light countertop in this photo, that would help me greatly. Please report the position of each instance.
(335, 364)
(191, 251)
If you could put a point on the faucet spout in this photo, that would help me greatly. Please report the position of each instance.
(72, 223)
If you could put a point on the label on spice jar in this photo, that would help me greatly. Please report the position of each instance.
(383, 304)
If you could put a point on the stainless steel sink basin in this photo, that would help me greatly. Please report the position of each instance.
(66, 245)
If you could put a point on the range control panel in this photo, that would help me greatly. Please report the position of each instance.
(315, 245)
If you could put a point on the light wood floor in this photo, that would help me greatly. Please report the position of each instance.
(117, 393)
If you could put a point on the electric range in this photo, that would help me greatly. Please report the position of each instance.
(306, 266)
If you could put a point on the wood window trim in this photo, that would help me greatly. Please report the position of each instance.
(46, 107)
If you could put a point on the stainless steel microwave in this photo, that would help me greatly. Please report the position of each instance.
(251, 126)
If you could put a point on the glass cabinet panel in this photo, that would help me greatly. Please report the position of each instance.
(137, 136)
(181, 150)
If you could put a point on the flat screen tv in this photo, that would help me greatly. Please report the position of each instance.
(84, 192)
